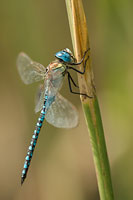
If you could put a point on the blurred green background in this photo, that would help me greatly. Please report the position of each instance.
(62, 167)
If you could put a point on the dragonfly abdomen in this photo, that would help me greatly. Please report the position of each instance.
(33, 141)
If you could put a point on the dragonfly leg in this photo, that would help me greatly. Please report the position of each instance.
(71, 79)
(77, 69)
(70, 87)
(78, 63)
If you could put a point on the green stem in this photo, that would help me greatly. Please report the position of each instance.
(79, 34)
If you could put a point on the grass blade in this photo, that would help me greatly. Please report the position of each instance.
(78, 28)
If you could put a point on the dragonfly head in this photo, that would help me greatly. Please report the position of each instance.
(66, 56)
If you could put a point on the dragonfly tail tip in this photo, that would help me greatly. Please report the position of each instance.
(22, 180)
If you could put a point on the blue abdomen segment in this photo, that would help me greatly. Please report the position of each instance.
(33, 141)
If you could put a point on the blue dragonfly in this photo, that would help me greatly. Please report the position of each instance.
(57, 110)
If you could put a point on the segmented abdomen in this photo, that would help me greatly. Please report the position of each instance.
(33, 141)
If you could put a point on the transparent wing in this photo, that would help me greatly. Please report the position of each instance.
(62, 113)
(51, 92)
(29, 70)
(39, 98)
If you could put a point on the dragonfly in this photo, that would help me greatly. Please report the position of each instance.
(53, 107)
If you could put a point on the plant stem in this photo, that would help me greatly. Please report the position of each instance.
(79, 34)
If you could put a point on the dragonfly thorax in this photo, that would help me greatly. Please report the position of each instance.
(56, 72)
(56, 68)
